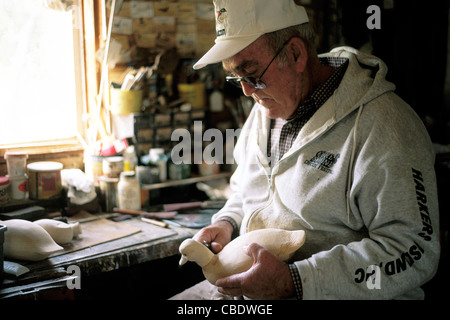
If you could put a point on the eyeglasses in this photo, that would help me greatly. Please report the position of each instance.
(256, 83)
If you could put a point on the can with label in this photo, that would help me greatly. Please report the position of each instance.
(44, 180)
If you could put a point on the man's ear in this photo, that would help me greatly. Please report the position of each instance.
(299, 53)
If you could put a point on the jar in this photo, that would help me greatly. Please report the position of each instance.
(129, 191)
(4, 189)
(16, 163)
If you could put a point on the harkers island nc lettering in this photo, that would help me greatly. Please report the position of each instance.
(427, 229)
(415, 251)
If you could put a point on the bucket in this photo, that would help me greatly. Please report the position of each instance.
(125, 101)
(44, 180)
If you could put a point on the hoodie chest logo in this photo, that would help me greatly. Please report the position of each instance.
(324, 161)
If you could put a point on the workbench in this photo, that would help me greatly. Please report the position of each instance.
(142, 261)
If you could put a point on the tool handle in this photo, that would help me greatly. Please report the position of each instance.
(155, 215)
(155, 222)
(182, 206)
(128, 211)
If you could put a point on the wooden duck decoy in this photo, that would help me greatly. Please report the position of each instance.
(60, 231)
(25, 240)
(233, 259)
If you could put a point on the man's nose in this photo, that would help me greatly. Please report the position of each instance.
(247, 89)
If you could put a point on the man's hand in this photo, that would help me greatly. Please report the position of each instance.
(268, 278)
(217, 235)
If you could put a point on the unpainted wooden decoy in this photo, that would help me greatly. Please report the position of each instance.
(233, 259)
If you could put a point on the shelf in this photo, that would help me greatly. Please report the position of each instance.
(175, 183)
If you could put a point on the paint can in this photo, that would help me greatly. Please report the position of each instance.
(44, 180)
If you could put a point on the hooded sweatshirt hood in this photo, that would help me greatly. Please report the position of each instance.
(370, 69)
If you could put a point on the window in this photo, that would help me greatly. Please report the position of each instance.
(38, 96)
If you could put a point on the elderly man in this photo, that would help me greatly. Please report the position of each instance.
(330, 149)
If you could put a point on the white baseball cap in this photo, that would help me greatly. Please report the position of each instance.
(240, 22)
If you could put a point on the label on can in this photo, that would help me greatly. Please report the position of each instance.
(45, 185)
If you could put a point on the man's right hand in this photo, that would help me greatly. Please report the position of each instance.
(217, 235)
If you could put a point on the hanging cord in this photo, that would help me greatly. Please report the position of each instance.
(352, 159)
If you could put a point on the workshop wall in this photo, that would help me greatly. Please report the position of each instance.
(182, 30)
(143, 27)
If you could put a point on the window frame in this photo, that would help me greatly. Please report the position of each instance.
(87, 24)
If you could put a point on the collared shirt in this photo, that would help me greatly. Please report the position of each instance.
(283, 132)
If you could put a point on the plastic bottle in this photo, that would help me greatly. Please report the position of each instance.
(129, 191)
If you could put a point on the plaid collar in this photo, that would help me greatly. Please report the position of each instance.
(284, 132)
(324, 91)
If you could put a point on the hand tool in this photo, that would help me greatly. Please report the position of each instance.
(155, 222)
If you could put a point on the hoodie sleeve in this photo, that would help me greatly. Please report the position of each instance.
(233, 208)
(394, 195)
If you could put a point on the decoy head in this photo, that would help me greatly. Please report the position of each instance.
(192, 250)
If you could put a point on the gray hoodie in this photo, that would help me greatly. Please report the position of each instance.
(359, 179)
